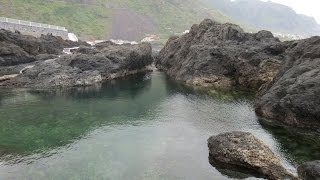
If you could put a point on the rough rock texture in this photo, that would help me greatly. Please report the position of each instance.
(244, 152)
(15, 69)
(286, 74)
(85, 67)
(293, 97)
(309, 170)
(222, 56)
(16, 48)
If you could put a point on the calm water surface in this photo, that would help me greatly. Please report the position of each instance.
(144, 127)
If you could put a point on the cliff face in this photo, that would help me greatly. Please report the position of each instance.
(267, 15)
(131, 26)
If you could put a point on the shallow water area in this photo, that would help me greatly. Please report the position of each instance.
(142, 127)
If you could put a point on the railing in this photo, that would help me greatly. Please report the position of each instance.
(34, 24)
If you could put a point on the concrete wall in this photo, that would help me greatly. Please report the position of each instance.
(33, 30)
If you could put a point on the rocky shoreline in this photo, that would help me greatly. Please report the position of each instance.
(46, 67)
(285, 75)
(293, 96)
(242, 152)
(222, 56)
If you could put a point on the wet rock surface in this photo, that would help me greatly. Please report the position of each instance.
(222, 56)
(243, 152)
(309, 170)
(293, 97)
(86, 66)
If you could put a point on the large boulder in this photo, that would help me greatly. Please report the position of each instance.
(309, 170)
(243, 152)
(286, 75)
(11, 54)
(86, 66)
(222, 56)
(293, 97)
(16, 48)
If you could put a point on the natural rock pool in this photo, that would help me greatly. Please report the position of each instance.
(143, 127)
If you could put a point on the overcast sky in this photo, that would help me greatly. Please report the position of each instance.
(307, 7)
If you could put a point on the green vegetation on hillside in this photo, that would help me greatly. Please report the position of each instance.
(173, 15)
(86, 21)
(92, 19)
(267, 15)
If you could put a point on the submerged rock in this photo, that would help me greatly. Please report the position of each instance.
(243, 152)
(87, 66)
(222, 56)
(309, 170)
(293, 97)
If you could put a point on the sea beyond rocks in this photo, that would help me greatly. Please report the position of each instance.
(32, 62)
(285, 75)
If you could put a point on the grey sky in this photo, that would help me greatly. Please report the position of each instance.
(307, 7)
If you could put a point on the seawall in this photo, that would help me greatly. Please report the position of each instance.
(32, 28)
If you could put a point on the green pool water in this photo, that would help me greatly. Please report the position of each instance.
(142, 127)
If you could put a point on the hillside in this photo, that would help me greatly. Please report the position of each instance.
(100, 19)
(267, 15)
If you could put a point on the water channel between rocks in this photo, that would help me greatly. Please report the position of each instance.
(142, 127)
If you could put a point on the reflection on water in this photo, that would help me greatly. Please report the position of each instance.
(144, 127)
(297, 145)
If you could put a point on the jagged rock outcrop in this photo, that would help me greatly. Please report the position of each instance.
(222, 56)
(16, 48)
(309, 170)
(285, 74)
(85, 67)
(293, 97)
(241, 151)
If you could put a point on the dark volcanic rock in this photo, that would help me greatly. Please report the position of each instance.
(243, 152)
(293, 97)
(16, 48)
(287, 74)
(309, 170)
(11, 54)
(85, 67)
(222, 56)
